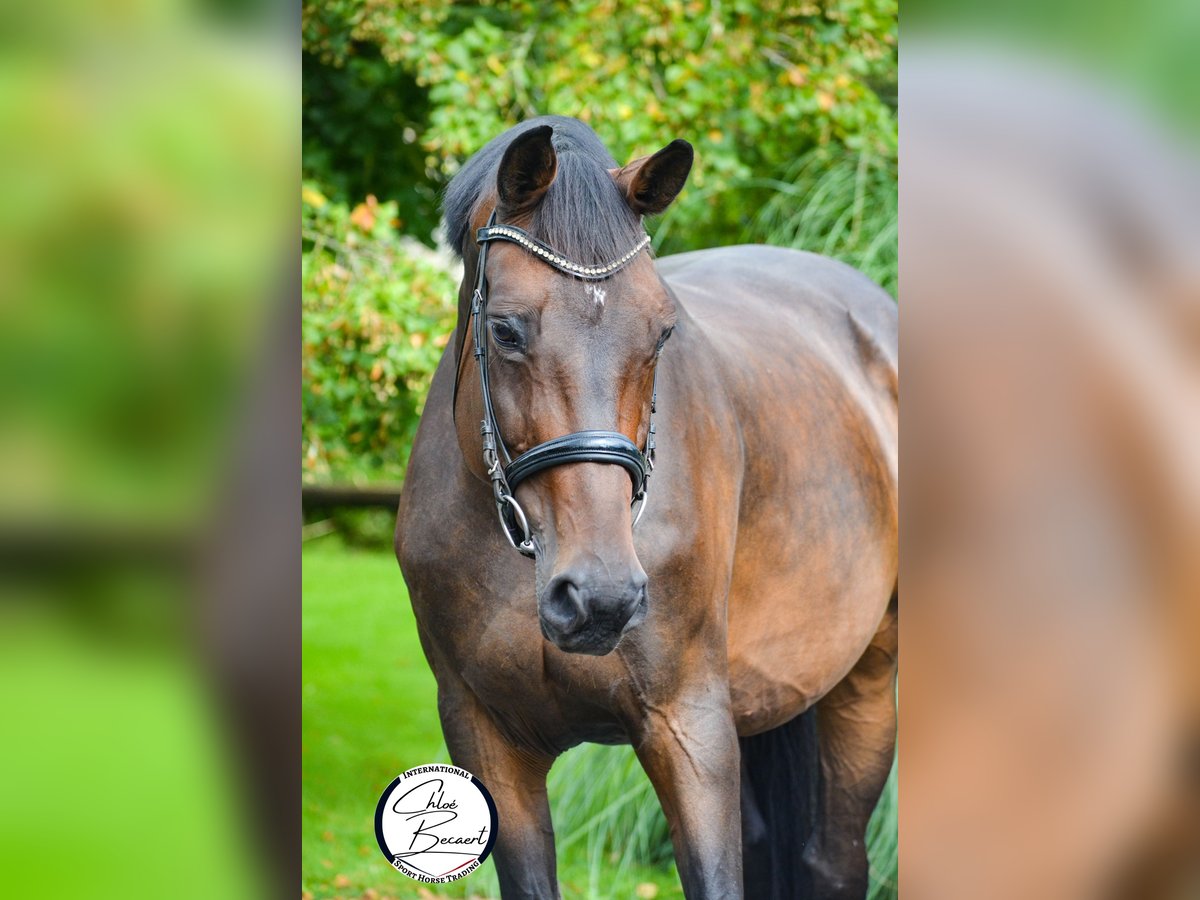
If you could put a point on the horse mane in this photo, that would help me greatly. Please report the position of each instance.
(583, 215)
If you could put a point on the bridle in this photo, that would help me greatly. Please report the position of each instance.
(610, 447)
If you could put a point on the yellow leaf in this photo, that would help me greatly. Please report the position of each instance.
(417, 339)
(647, 890)
(312, 197)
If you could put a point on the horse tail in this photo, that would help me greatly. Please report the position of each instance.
(781, 789)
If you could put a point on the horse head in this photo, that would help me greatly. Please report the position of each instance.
(573, 333)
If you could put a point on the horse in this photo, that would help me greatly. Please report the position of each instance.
(741, 404)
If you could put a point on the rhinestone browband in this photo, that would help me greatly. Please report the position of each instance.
(547, 254)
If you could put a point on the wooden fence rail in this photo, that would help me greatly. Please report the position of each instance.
(326, 496)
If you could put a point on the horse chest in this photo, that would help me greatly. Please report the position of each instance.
(539, 695)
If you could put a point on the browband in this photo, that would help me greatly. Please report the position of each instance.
(546, 253)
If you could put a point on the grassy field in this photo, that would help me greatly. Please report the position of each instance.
(370, 713)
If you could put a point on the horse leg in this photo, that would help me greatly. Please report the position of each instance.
(516, 779)
(689, 750)
(856, 727)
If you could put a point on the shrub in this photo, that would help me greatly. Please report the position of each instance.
(378, 310)
(753, 85)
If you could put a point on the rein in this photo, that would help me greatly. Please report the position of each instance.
(609, 447)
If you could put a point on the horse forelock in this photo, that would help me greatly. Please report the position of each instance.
(583, 215)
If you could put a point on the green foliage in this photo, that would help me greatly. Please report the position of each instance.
(378, 309)
(604, 806)
(362, 121)
(838, 204)
(752, 85)
(883, 842)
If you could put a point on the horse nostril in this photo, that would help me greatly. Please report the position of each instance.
(575, 597)
(588, 610)
(566, 602)
(638, 583)
(636, 600)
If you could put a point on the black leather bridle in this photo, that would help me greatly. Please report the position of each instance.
(610, 447)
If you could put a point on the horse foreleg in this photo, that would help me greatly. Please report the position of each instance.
(689, 749)
(516, 779)
(856, 727)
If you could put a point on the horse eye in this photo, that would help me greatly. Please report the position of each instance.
(663, 340)
(506, 336)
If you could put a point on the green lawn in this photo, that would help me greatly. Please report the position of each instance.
(118, 778)
(370, 712)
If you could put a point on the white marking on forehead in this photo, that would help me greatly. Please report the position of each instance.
(597, 293)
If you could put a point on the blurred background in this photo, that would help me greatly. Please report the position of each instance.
(147, 378)
(1050, 537)
(149, 567)
(791, 109)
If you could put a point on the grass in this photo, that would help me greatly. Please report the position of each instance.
(843, 206)
(883, 843)
(370, 712)
(118, 778)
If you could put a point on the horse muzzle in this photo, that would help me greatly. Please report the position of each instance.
(581, 613)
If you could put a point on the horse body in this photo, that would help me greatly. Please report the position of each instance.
(769, 550)
(815, 559)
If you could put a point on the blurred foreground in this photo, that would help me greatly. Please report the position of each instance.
(1050, 297)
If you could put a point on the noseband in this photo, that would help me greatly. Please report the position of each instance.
(610, 447)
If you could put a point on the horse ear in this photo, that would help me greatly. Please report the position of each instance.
(527, 169)
(652, 182)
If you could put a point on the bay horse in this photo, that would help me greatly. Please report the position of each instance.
(742, 637)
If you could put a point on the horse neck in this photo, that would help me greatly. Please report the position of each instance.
(689, 349)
